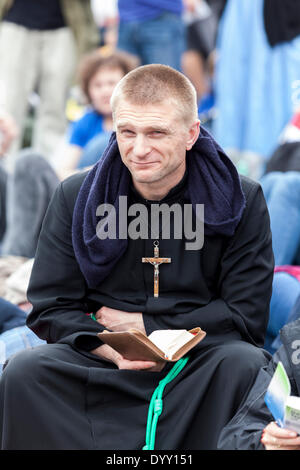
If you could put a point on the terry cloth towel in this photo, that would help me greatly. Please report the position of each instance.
(212, 180)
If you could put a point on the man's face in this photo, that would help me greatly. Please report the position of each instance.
(153, 140)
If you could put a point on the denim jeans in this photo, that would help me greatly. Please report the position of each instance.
(282, 193)
(15, 340)
(159, 40)
(11, 316)
(286, 290)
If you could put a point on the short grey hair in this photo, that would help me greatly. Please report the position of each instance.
(155, 83)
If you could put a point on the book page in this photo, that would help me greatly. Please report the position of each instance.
(292, 414)
(293, 402)
(169, 341)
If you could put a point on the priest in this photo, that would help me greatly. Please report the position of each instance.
(90, 275)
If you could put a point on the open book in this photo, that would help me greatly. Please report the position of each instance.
(284, 407)
(161, 345)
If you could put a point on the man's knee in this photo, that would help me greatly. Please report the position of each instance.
(244, 358)
(31, 162)
(23, 365)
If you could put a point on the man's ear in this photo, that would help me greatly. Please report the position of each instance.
(194, 132)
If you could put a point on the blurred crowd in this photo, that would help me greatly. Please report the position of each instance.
(59, 63)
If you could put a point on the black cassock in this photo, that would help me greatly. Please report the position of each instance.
(60, 396)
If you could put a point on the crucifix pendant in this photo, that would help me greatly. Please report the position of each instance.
(156, 261)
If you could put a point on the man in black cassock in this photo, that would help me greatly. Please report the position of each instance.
(78, 393)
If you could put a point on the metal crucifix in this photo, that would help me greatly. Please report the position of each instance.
(156, 261)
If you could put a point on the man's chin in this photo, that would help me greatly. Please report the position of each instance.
(145, 178)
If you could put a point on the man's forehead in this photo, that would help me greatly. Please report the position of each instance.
(156, 113)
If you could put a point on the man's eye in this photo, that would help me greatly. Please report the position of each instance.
(156, 133)
(127, 132)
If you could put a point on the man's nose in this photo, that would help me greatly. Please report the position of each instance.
(140, 147)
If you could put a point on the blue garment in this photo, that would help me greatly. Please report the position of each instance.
(93, 151)
(286, 290)
(15, 340)
(254, 83)
(282, 194)
(293, 316)
(159, 40)
(10, 316)
(87, 127)
(141, 10)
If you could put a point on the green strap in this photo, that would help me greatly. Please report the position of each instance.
(156, 403)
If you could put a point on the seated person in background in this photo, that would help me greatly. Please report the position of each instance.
(24, 195)
(8, 132)
(282, 193)
(253, 427)
(98, 75)
(82, 393)
(285, 292)
(293, 314)
(14, 308)
(281, 186)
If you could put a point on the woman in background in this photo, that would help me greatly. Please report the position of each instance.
(98, 75)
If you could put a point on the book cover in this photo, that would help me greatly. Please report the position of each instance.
(135, 345)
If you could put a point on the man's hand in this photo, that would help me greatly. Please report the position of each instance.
(276, 438)
(108, 353)
(118, 320)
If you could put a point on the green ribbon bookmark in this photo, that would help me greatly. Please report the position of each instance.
(156, 403)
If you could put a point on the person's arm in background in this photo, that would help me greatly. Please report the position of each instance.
(72, 150)
(69, 161)
(8, 132)
(190, 5)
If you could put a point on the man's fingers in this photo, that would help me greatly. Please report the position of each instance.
(136, 365)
